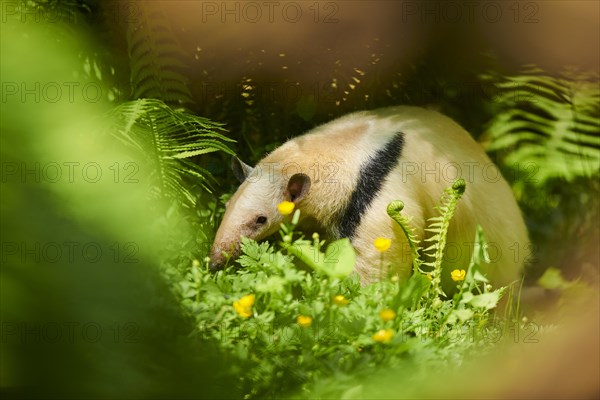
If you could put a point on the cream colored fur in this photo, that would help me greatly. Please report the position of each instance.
(432, 142)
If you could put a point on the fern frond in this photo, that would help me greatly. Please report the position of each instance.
(394, 211)
(447, 207)
(551, 122)
(156, 59)
(168, 139)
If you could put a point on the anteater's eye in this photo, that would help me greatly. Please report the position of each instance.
(261, 220)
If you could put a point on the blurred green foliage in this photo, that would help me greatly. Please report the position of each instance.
(85, 311)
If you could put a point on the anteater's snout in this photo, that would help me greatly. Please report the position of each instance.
(217, 259)
(221, 253)
(215, 265)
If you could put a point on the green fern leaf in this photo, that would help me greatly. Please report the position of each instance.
(156, 59)
(553, 122)
(168, 139)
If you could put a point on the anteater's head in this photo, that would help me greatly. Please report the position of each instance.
(252, 211)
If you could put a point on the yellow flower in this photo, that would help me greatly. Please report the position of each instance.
(340, 300)
(458, 275)
(242, 311)
(247, 301)
(304, 321)
(383, 335)
(286, 207)
(387, 315)
(244, 305)
(382, 244)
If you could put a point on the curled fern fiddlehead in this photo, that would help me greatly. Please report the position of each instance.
(439, 227)
(394, 210)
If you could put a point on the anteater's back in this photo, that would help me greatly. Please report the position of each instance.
(409, 154)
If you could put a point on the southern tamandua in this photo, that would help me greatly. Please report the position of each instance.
(343, 174)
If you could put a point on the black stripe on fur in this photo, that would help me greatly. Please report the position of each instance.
(371, 178)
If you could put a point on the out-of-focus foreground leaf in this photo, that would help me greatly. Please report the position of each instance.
(84, 311)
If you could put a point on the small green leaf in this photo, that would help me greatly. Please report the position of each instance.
(463, 315)
(467, 297)
(552, 279)
(339, 259)
(486, 300)
(479, 277)
(296, 217)
(273, 285)
(411, 292)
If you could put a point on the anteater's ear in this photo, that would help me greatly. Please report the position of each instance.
(297, 187)
(240, 169)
